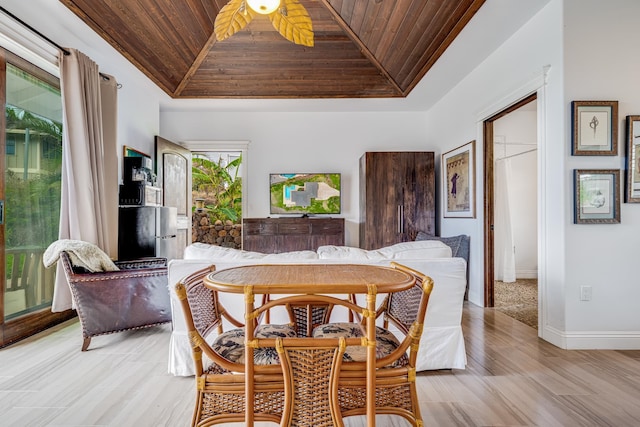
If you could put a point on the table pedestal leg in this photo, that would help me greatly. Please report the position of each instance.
(371, 355)
(248, 355)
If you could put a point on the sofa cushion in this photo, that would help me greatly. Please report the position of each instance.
(230, 344)
(426, 249)
(293, 255)
(347, 252)
(206, 251)
(416, 250)
(404, 250)
(219, 253)
(459, 244)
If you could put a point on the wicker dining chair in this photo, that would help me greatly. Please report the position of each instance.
(396, 392)
(311, 366)
(311, 369)
(306, 315)
(219, 359)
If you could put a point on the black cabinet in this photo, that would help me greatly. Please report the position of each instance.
(397, 197)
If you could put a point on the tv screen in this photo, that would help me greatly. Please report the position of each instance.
(304, 193)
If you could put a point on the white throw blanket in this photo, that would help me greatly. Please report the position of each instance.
(82, 254)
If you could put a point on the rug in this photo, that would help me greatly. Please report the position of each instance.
(518, 300)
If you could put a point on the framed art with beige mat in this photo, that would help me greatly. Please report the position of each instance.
(596, 197)
(595, 128)
(632, 171)
(458, 181)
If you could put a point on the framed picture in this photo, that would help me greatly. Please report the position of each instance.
(632, 171)
(595, 128)
(458, 178)
(597, 196)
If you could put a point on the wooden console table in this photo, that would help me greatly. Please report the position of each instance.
(276, 235)
(311, 279)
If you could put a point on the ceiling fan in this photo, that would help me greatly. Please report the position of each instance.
(288, 17)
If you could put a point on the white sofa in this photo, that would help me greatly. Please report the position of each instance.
(442, 345)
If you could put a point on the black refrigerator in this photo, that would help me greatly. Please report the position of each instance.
(147, 231)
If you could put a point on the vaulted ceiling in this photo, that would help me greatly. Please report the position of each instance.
(363, 48)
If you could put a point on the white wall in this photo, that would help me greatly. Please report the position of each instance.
(596, 39)
(512, 72)
(600, 41)
(302, 142)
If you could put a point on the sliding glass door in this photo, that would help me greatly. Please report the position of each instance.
(31, 151)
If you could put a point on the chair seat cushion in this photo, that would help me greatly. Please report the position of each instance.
(386, 342)
(230, 344)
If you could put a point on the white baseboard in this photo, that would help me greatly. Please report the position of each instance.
(592, 340)
(527, 274)
(523, 274)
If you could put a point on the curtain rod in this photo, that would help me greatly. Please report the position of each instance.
(45, 38)
(38, 33)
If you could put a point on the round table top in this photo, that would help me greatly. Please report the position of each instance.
(310, 278)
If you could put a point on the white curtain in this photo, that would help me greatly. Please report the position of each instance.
(504, 256)
(89, 156)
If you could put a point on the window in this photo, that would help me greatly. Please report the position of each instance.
(30, 189)
(11, 145)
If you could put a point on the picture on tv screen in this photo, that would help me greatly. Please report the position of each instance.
(304, 193)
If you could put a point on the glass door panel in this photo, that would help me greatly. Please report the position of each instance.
(31, 182)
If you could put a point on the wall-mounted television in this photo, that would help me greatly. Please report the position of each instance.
(305, 193)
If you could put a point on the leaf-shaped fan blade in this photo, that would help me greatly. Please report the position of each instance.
(233, 17)
(293, 22)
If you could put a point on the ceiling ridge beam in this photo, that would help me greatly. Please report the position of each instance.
(363, 48)
(202, 55)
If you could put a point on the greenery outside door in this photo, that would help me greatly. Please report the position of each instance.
(217, 197)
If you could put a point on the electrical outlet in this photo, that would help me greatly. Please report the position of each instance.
(585, 293)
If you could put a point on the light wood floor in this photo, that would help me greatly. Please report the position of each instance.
(512, 379)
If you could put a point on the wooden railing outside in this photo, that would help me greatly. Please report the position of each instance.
(25, 272)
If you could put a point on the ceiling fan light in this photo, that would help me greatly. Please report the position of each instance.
(264, 7)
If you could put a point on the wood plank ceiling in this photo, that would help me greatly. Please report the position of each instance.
(363, 48)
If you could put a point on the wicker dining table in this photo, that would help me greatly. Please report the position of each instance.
(312, 279)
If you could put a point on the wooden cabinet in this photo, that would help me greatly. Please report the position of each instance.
(277, 235)
(397, 197)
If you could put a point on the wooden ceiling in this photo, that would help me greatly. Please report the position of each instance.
(363, 48)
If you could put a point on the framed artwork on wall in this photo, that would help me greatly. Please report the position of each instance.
(632, 171)
(458, 181)
(596, 196)
(595, 128)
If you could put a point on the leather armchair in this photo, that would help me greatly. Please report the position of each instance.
(135, 297)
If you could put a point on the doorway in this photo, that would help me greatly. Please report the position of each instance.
(511, 235)
(218, 191)
(217, 195)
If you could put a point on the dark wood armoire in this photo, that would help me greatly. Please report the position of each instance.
(397, 197)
